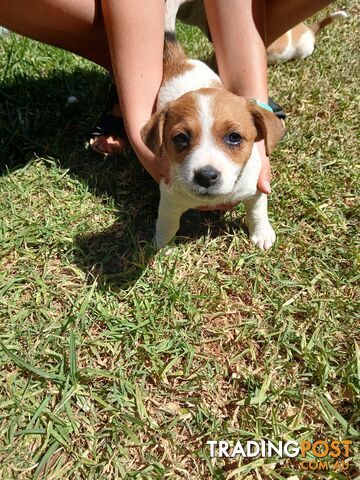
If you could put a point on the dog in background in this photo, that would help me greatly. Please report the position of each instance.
(297, 43)
(207, 136)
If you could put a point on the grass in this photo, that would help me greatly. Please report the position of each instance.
(117, 362)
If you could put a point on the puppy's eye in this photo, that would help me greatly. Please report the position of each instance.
(181, 140)
(233, 139)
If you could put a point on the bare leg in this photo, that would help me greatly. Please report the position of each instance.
(135, 32)
(281, 15)
(74, 25)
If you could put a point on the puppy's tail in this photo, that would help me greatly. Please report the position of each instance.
(174, 55)
(317, 26)
(171, 10)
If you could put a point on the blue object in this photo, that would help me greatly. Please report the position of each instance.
(4, 31)
(263, 105)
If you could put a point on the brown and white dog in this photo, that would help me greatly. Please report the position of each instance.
(297, 43)
(207, 135)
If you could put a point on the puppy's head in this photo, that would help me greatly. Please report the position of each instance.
(208, 135)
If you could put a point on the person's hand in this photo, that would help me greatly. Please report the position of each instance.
(156, 167)
(265, 171)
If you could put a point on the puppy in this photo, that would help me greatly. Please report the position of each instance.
(207, 135)
(297, 43)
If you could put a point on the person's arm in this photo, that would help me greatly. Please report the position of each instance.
(135, 32)
(238, 31)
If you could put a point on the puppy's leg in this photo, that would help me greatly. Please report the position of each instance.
(261, 232)
(168, 221)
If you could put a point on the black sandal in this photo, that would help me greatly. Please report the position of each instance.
(107, 124)
(278, 111)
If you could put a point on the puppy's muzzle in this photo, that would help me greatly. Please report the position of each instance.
(207, 176)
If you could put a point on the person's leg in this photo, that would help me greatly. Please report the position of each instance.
(252, 23)
(281, 15)
(74, 25)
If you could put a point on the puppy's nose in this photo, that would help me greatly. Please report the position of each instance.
(206, 176)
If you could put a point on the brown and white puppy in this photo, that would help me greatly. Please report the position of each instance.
(297, 43)
(207, 135)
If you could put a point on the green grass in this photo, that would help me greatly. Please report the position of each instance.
(119, 362)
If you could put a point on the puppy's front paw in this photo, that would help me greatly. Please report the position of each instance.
(263, 236)
(161, 242)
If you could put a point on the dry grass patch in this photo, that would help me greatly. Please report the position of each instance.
(120, 362)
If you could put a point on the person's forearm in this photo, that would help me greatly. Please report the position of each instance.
(135, 32)
(238, 29)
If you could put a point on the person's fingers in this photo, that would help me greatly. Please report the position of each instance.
(265, 175)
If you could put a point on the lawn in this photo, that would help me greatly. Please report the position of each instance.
(120, 362)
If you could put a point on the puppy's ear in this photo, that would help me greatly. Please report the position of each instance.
(269, 127)
(152, 133)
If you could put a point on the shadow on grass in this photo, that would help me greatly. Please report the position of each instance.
(36, 120)
(118, 255)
